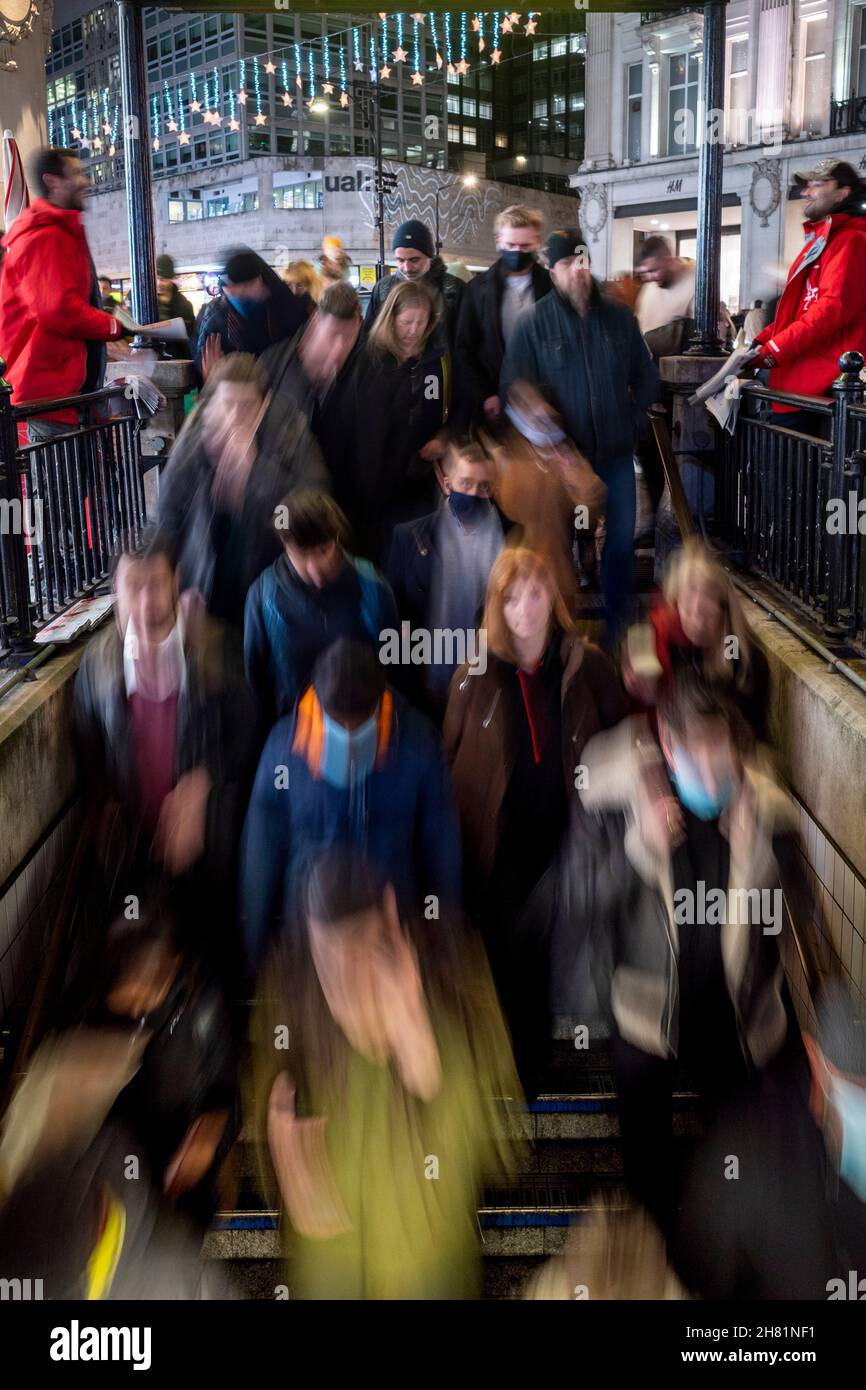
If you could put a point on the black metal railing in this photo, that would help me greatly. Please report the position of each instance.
(64, 500)
(788, 504)
(848, 117)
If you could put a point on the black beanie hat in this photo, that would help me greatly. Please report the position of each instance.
(567, 241)
(416, 235)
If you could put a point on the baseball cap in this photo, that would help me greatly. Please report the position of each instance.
(567, 241)
(846, 175)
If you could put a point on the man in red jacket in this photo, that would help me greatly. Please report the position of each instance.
(822, 310)
(52, 335)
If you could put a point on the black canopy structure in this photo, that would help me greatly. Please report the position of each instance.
(137, 163)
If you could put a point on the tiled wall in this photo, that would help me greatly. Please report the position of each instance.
(28, 904)
(840, 898)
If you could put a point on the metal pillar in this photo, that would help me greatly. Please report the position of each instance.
(136, 160)
(380, 184)
(711, 148)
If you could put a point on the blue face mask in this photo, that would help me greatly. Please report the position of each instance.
(545, 436)
(348, 757)
(850, 1102)
(692, 792)
(247, 308)
(468, 510)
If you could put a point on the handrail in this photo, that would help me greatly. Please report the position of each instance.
(23, 409)
(820, 404)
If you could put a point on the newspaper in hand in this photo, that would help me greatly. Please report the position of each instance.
(731, 367)
(172, 330)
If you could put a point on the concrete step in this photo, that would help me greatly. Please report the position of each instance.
(504, 1278)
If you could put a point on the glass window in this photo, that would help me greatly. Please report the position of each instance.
(413, 154)
(861, 56)
(814, 65)
(634, 110)
(539, 110)
(558, 105)
(217, 207)
(454, 103)
(454, 134)
(558, 47)
(175, 210)
(501, 142)
(469, 106)
(539, 52)
(485, 110)
(683, 70)
(470, 136)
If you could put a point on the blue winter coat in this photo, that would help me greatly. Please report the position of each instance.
(402, 816)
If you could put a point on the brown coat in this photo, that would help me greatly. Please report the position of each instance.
(538, 489)
(477, 738)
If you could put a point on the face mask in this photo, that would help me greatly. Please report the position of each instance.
(516, 260)
(349, 757)
(546, 438)
(247, 308)
(692, 792)
(468, 510)
(410, 274)
(850, 1102)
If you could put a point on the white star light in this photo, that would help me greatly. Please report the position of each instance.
(439, 60)
(234, 123)
(287, 100)
(344, 99)
(359, 66)
(507, 26)
(476, 25)
(172, 125)
(399, 55)
(385, 71)
(531, 27)
(328, 88)
(495, 55)
(463, 67)
(270, 67)
(260, 120)
(183, 138)
(195, 106)
(514, 17)
(76, 133)
(242, 98)
(417, 79)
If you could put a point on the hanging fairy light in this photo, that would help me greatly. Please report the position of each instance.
(299, 81)
(356, 50)
(257, 85)
(497, 51)
(399, 51)
(115, 127)
(284, 70)
(195, 104)
(154, 121)
(435, 37)
(464, 37)
(106, 123)
(76, 129)
(344, 82)
(96, 142)
(384, 41)
(417, 77)
(373, 69)
(448, 49)
(326, 58)
(482, 42)
(169, 106)
(234, 123)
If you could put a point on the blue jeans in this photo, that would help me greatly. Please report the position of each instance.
(617, 559)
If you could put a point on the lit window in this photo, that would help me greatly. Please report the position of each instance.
(470, 136)
(539, 52)
(539, 110)
(454, 134)
(485, 110)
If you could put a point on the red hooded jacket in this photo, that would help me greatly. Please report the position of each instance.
(822, 310)
(46, 317)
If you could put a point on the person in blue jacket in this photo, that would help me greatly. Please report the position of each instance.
(354, 765)
(312, 594)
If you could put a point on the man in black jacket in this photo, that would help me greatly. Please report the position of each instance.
(174, 305)
(254, 311)
(317, 374)
(589, 354)
(491, 306)
(416, 259)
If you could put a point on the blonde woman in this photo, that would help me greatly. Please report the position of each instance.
(301, 278)
(514, 733)
(701, 623)
(405, 383)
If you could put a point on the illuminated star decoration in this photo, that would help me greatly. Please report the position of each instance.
(183, 138)
(76, 133)
(195, 106)
(399, 55)
(417, 80)
(476, 25)
(358, 65)
(507, 26)
(514, 17)
(344, 99)
(328, 88)
(531, 26)
(155, 142)
(385, 72)
(270, 67)
(419, 18)
(260, 120)
(216, 118)
(106, 129)
(242, 98)
(451, 70)
(439, 60)
(299, 81)
(234, 123)
(287, 100)
(495, 55)
(463, 67)
(172, 125)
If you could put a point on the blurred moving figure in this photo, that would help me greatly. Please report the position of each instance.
(106, 294)
(171, 304)
(491, 307)
(334, 263)
(53, 324)
(166, 736)
(181, 1103)
(397, 1055)
(440, 564)
(314, 593)
(690, 873)
(405, 388)
(665, 307)
(230, 467)
(793, 1224)
(253, 311)
(418, 262)
(318, 374)
(513, 735)
(611, 1256)
(547, 488)
(301, 278)
(755, 320)
(700, 623)
(355, 765)
(588, 352)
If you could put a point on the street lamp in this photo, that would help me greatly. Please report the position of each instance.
(320, 107)
(470, 180)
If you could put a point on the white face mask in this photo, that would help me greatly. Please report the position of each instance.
(154, 670)
(546, 438)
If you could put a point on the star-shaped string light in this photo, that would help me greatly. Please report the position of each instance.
(172, 125)
(476, 24)
(452, 71)
(463, 67)
(328, 88)
(507, 26)
(399, 55)
(195, 106)
(385, 71)
(76, 133)
(514, 17)
(287, 100)
(106, 128)
(155, 143)
(260, 119)
(417, 79)
(531, 26)
(242, 98)
(495, 55)
(234, 123)
(183, 138)
(344, 99)
(299, 81)
(439, 60)
(419, 17)
(270, 67)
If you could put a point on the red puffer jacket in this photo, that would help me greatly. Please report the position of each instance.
(45, 313)
(822, 310)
